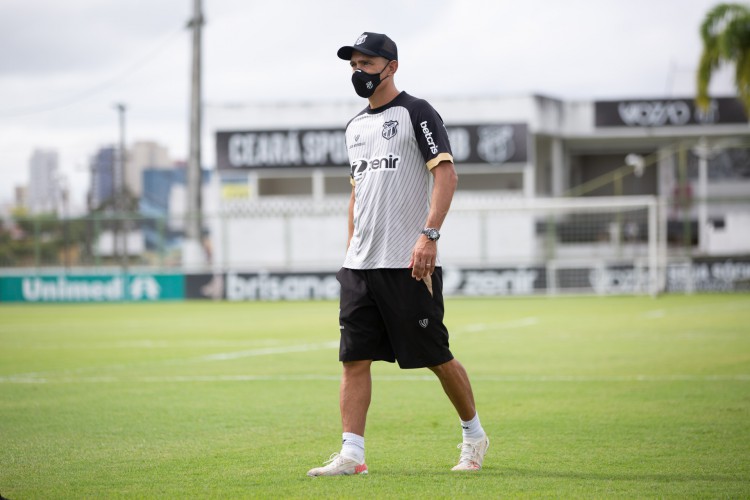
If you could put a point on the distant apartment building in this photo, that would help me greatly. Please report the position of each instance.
(44, 187)
(102, 177)
(144, 155)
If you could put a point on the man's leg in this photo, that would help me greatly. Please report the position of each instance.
(355, 395)
(456, 385)
(354, 400)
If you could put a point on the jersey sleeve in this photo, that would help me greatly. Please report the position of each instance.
(432, 137)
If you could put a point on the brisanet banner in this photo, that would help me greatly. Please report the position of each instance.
(701, 275)
(92, 288)
(262, 286)
(324, 286)
(667, 113)
(497, 144)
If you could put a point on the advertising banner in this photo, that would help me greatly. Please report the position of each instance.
(490, 282)
(710, 275)
(493, 143)
(92, 288)
(702, 275)
(667, 113)
(263, 286)
(204, 286)
(324, 286)
(699, 275)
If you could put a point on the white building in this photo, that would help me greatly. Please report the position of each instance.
(528, 145)
(44, 188)
(599, 195)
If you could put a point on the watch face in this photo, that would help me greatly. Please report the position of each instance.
(432, 234)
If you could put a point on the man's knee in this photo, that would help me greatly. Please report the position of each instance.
(444, 368)
(353, 368)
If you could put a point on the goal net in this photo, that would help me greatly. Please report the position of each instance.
(607, 245)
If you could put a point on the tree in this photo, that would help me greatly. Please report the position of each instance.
(726, 39)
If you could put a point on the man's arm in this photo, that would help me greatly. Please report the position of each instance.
(425, 251)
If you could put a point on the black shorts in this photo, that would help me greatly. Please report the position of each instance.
(386, 315)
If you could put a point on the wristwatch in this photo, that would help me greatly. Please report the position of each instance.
(431, 233)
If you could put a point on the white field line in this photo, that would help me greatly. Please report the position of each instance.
(378, 378)
(264, 351)
(260, 351)
(507, 325)
(655, 314)
(146, 344)
(224, 356)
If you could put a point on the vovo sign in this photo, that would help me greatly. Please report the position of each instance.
(667, 113)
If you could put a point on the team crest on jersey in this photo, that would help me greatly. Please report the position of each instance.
(390, 129)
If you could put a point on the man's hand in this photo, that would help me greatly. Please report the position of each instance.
(423, 258)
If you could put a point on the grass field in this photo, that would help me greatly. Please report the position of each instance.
(627, 397)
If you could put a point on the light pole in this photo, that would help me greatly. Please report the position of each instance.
(193, 252)
(121, 191)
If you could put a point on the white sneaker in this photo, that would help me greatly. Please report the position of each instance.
(472, 454)
(339, 465)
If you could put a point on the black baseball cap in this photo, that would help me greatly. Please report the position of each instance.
(372, 44)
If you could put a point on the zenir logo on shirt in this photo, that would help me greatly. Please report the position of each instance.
(360, 167)
(390, 129)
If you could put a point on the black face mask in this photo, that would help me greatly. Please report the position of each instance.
(366, 83)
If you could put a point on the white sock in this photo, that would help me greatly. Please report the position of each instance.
(472, 429)
(353, 446)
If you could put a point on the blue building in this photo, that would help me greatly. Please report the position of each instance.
(160, 229)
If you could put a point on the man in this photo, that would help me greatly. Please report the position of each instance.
(391, 280)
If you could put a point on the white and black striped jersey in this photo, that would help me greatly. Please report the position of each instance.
(391, 151)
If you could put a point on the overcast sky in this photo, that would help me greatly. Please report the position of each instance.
(64, 64)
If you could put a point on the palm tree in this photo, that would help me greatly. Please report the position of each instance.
(726, 39)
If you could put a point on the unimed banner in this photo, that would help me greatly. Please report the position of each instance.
(92, 288)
